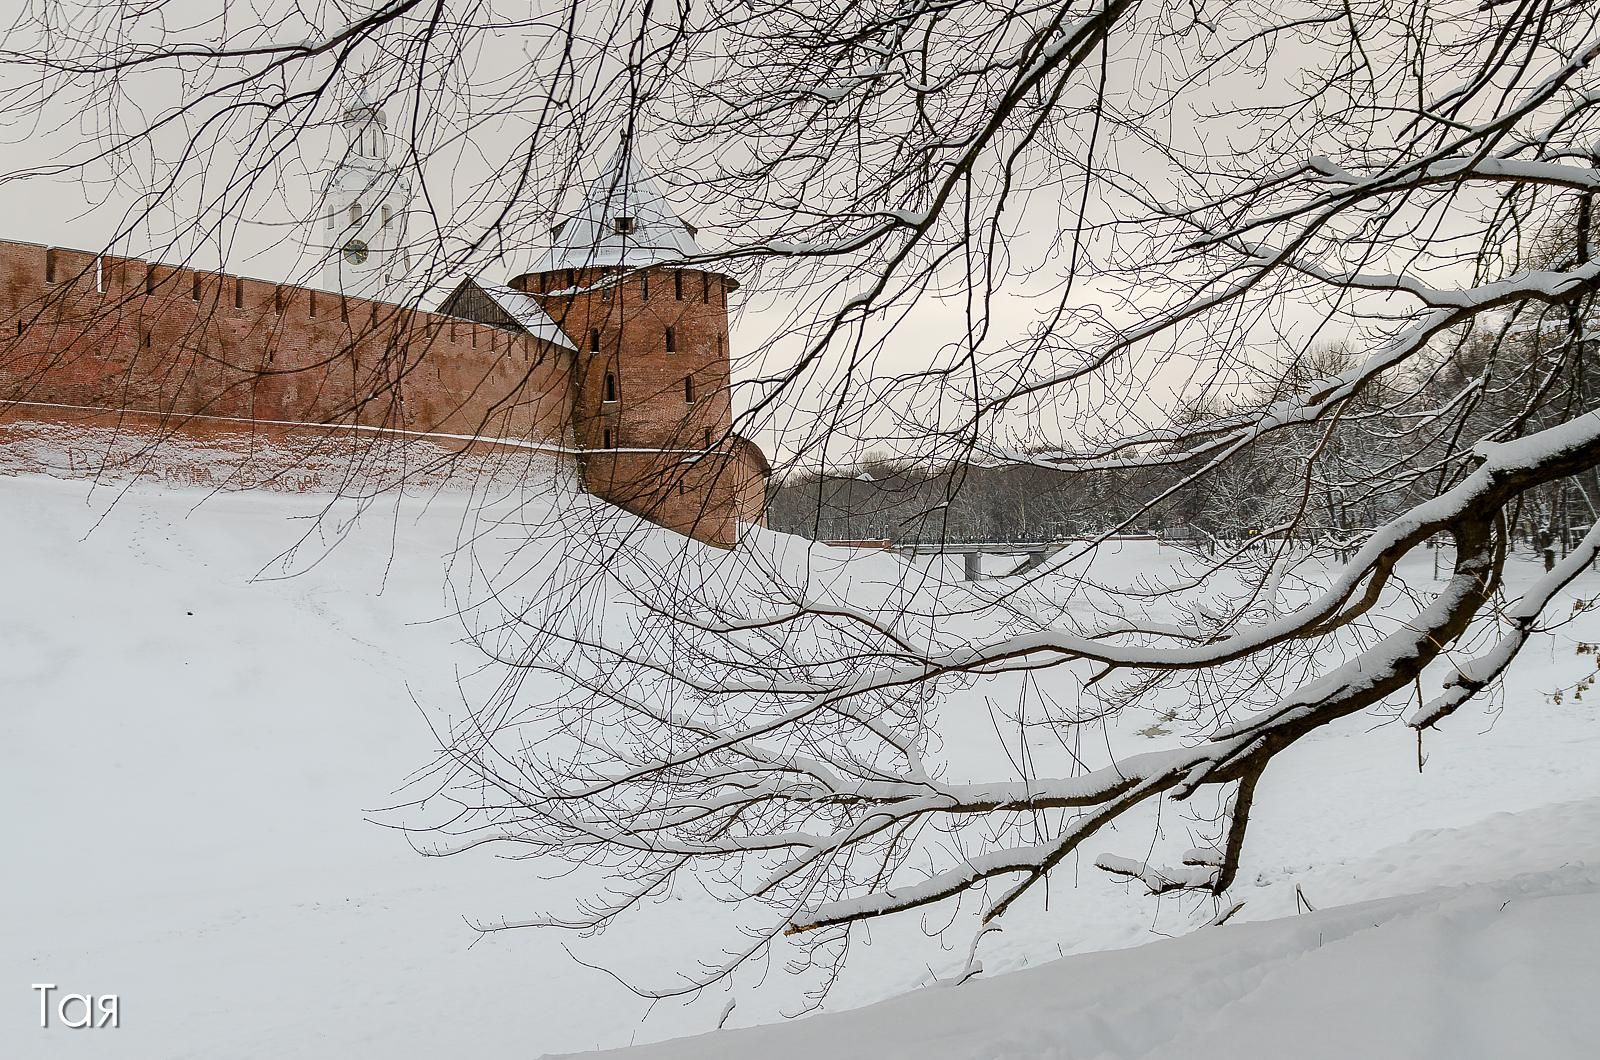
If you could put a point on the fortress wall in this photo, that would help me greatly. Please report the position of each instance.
(229, 361)
(631, 318)
(752, 473)
(106, 332)
(115, 445)
(669, 458)
(686, 495)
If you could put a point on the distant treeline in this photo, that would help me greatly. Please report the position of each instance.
(883, 499)
(1326, 482)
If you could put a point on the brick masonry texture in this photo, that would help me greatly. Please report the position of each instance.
(227, 455)
(181, 351)
(649, 447)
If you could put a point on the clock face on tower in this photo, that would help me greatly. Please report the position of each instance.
(363, 210)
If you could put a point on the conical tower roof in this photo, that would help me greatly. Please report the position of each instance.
(360, 106)
(623, 220)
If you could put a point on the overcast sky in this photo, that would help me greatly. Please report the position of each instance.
(471, 132)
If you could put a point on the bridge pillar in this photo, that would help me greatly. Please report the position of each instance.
(974, 566)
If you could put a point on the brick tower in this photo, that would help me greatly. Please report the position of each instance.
(652, 415)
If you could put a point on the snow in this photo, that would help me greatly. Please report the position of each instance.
(526, 311)
(193, 742)
(1475, 167)
(1492, 970)
(589, 238)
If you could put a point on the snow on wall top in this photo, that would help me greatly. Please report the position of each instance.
(623, 220)
(527, 312)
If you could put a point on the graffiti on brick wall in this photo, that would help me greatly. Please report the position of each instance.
(174, 469)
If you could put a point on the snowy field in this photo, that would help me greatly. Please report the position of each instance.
(1503, 969)
(193, 744)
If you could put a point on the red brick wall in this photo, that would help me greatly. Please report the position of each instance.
(670, 460)
(115, 445)
(750, 490)
(170, 343)
(77, 329)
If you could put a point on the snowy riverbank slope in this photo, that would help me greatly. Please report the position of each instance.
(190, 745)
(1496, 969)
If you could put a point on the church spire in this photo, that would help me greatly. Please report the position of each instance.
(361, 228)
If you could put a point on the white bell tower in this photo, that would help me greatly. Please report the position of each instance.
(361, 227)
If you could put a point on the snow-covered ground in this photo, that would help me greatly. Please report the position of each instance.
(1494, 970)
(191, 745)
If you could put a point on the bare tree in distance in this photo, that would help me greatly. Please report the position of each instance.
(1028, 234)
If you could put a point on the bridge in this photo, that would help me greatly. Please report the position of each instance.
(1037, 552)
(972, 551)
